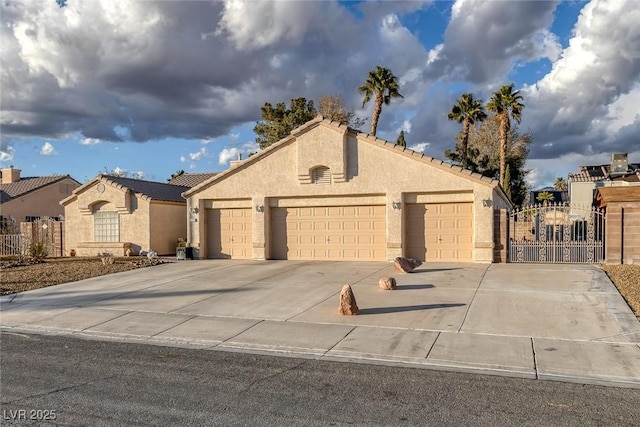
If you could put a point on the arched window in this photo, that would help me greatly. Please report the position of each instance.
(106, 224)
(321, 175)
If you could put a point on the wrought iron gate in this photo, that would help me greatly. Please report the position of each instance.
(556, 233)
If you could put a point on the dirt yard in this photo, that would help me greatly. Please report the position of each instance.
(53, 271)
(16, 276)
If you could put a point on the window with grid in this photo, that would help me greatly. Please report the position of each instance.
(106, 226)
(321, 175)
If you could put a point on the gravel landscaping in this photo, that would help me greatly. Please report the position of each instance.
(20, 276)
(23, 275)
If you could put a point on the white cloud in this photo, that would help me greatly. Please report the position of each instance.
(47, 149)
(233, 153)
(228, 154)
(419, 147)
(118, 171)
(198, 154)
(251, 25)
(592, 91)
(485, 39)
(90, 141)
(7, 153)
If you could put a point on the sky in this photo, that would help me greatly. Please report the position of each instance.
(148, 88)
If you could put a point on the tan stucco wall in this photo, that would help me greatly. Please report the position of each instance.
(168, 222)
(42, 202)
(144, 224)
(373, 172)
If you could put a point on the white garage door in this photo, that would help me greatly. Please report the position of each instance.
(440, 232)
(229, 233)
(345, 233)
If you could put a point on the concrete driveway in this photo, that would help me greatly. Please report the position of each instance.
(565, 322)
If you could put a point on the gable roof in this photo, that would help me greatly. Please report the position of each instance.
(28, 184)
(360, 136)
(149, 189)
(191, 179)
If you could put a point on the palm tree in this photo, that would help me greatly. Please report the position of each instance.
(382, 85)
(545, 197)
(505, 102)
(467, 111)
(560, 184)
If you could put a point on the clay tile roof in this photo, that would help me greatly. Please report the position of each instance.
(151, 189)
(28, 184)
(601, 172)
(191, 179)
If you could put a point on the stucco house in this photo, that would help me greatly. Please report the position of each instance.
(327, 192)
(113, 214)
(583, 184)
(27, 199)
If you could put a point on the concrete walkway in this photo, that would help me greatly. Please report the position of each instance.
(558, 322)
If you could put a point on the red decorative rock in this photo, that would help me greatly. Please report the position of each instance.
(387, 283)
(405, 265)
(348, 304)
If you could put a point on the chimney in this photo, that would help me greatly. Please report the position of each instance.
(619, 164)
(10, 175)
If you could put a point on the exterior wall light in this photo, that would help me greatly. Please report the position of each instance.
(259, 208)
(487, 203)
(396, 205)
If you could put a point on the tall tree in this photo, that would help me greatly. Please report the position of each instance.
(483, 156)
(401, 141)
(560, 184)
(467, 111)
(277, 122)
(381, 85)
(506, 104)
(332, 107)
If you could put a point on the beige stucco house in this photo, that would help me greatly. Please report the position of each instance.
(113, 214)
(327, 192)
(27, 199)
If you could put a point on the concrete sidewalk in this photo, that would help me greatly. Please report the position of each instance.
(560, 322)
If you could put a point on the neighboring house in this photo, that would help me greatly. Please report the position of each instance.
(619, 172)
(113, 214)
(28, 199)
(622, 239)
(327, 192)
(191, 179)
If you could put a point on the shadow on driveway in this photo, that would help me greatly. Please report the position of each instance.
(382, 310)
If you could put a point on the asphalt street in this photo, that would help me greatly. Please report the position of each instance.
(75, 381)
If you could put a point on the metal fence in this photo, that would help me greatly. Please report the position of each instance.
(556, 233)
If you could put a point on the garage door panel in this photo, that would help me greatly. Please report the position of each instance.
(336, 232)
(229, 233)
(439, 231)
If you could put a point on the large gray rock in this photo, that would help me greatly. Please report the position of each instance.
(348, 305)
(405, 265)
(387, 283)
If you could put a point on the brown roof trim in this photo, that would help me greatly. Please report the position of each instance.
(622, 193)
